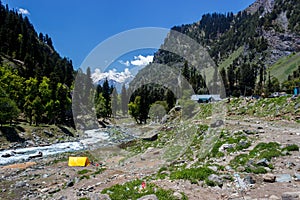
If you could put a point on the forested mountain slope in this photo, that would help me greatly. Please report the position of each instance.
(245, 46)
(34, 79)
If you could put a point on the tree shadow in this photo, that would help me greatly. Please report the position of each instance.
(66, 131)
(11, 134)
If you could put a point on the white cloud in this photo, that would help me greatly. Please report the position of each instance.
(127, 63)
(119, 77)
(23, 11)
(142, 61)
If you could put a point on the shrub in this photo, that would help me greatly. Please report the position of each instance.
(84, 171)
(192, 174)
(292, 147)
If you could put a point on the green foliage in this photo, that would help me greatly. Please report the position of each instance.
(132, 190)
(84, 171)
(292, 147)
(19, 41)
(256, 170)
(9, 110)
(134, 109)
(84, 198)
(32, 73)
(158, 110)
(192, 174)
(260, 151)
(237, 140)
(268, 107)
(285, 67)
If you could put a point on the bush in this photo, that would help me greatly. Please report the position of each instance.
(292, 147)
(193, 174)
(84, 171)
(257, 170)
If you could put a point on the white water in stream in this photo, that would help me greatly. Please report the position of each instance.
(23, 154)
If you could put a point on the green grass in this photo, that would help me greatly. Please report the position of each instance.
(256, 170)
(260, 151)
(84, 198)
(225, 64)
(99, 171)
(84, 171)
(132, 190)
(292, 147)
(285, 66)
(192, 174)
(268, 107)
(235, 139)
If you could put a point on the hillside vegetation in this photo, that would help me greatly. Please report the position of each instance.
(35, 81)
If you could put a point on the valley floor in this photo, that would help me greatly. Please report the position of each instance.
(51, 178)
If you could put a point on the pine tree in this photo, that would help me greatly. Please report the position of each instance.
(124, 100)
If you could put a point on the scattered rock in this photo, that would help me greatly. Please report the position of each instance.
(297, 177)
(269, 178)
(214, 168)
(151, 137)
(274, 197)
(249, 180)
(149, 197)
(226, 146)
(263, 162)
(228, 168)
(62, 198)
(104, 197)
(283, 178)
(53, 190)
(177, 195)
(45, 175)
(217, 123)
(216, 179)
(70, 183)
(20, 184)
(48, 133)
(240, 169)
(290, 196)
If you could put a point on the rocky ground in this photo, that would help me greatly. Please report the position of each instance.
(52, 178)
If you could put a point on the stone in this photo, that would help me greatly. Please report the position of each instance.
(240, 169)
(45, 175)
(177, 195)
(20, 184)
(70, 183)
(249, 180)
(290, 196)
(148, 197)
(263, 162)
(274, 197)
(62, 198)
(45, 190)
(297, 177)
(214, 168)
(283, 178)
(104, 197)
(217, 123)
(226, 146)
(269, 178)
(53, 190)
(216, 179)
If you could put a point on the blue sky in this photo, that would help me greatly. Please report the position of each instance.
(77, 27)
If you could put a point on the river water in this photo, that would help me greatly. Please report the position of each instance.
(92, 137)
